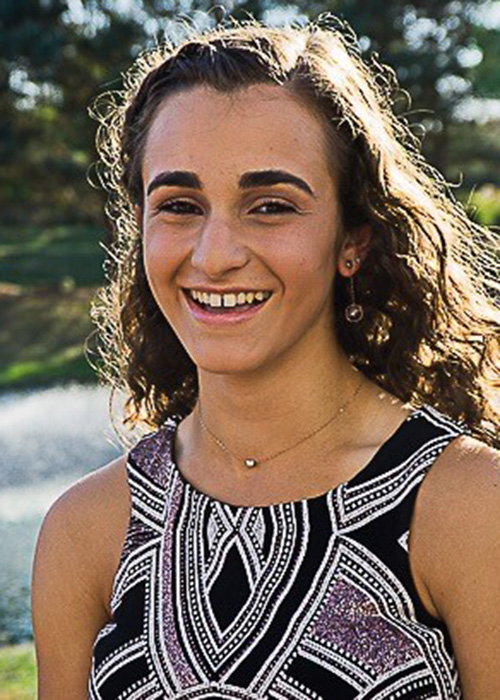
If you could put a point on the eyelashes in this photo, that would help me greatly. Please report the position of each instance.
(284, 208)
(182, 207)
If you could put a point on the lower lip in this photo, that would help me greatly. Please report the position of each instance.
(224, 318)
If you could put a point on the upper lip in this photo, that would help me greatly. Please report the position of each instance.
(229, 290)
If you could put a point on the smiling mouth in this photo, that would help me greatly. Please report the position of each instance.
(221, 309)
(223, 314)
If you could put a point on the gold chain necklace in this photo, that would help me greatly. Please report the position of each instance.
(251, 461)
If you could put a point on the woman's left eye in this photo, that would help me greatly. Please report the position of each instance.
(278, 207)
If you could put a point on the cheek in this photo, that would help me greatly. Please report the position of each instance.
(161, 255)
(160, 264)
(310, 270)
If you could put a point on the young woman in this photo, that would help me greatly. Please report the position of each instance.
(298, 309)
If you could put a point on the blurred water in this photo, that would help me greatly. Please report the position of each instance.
(49, 438)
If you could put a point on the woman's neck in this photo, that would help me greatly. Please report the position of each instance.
(261, 413)
(317, 464)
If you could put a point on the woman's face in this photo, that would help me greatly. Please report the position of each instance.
(213, 220)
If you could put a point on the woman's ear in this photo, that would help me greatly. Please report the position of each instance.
(355, 248)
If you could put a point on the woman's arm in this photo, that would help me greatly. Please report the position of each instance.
(463, 568)
(76, 556)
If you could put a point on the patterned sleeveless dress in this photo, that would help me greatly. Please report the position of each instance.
(305, 600)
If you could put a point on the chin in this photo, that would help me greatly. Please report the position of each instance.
(228, 363)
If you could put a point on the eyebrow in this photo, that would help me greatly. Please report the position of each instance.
(253, 178)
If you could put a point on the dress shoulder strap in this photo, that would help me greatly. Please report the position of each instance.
(149, 476)
(151, 455)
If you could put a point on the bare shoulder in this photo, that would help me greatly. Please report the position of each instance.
(473, 462)
(465, 462)
(459, 503)
(459, 544)
(463, 486)
(77, 552)
(95, 492)
(95, 512)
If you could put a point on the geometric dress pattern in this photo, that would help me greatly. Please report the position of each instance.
(305, 600)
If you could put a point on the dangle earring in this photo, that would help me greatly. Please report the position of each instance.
(353, 312)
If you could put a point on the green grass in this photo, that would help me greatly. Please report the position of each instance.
(487, 200)
(483, 205)
(18, 672)
(42, 336)
(40, 256)
(47, 279)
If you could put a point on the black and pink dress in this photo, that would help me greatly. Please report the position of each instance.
(307, 600)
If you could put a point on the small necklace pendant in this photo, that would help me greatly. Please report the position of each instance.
(250, 463)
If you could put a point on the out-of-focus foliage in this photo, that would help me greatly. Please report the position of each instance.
(446, 55)
(56, 55)
(50, 68)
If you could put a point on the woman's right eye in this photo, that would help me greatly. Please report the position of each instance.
(176, 206)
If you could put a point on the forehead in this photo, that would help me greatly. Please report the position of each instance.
(258, 126)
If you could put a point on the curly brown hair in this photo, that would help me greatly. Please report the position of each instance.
(430, 331)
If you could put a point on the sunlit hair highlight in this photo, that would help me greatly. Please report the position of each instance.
(428, 285)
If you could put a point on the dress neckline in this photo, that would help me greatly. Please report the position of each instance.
(171, 425)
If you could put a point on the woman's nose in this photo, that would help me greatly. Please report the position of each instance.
(218, 248)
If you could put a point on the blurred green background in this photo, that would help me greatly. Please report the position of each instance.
(56, 55)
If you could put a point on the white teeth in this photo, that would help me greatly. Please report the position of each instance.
(228, 300)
